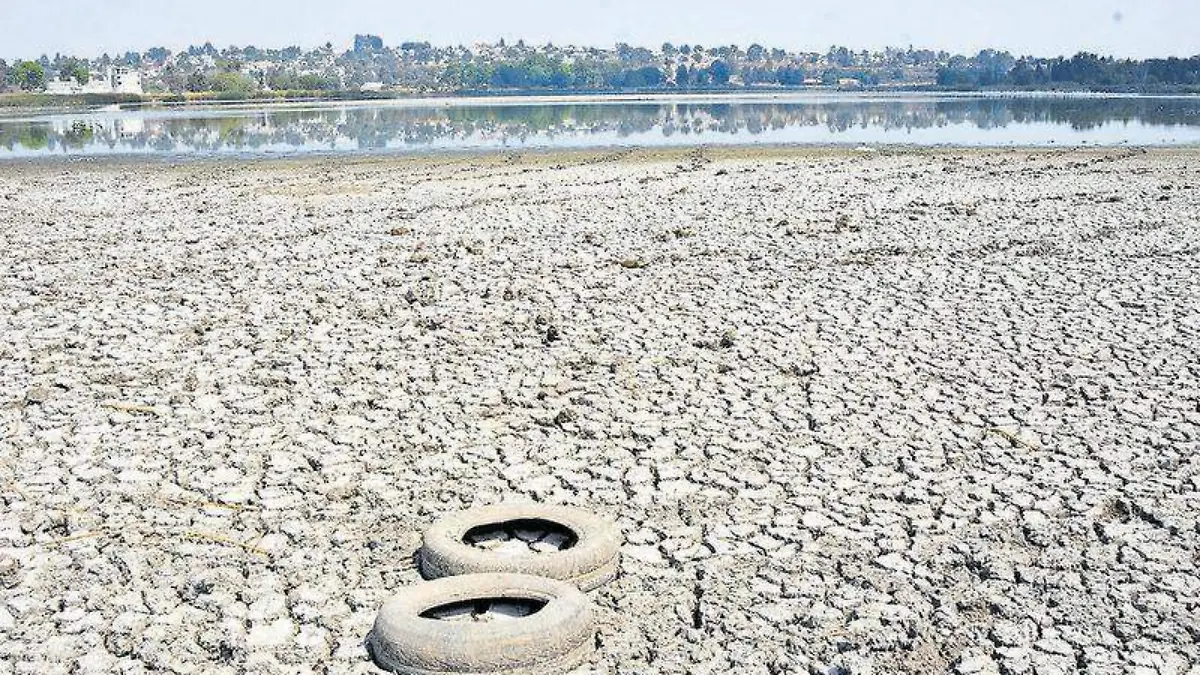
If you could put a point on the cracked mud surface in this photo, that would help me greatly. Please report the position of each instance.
(897, 412)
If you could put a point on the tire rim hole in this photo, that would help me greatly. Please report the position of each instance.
(485, 610)
(522, 536)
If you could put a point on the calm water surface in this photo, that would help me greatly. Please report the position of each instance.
(405, 126)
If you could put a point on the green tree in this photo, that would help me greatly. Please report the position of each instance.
(3, 74)
(28, 75)
(1021, 74)
(315, 82)
(720, 72)
(790, 76)
(640, 78)
(158, 55)
(174, 78)
(367, 43)
(232, 82)
(681, 76)
(281, 80)
(74, 69)
(840, 56)
(196, 81)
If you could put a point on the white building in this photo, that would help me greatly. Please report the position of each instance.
(115, 80)
(126, 81)
(63, 87)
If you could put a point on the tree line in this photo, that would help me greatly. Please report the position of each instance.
(421, 66)
(1084, 70)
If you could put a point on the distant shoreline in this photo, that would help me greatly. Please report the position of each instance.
(539, 156)
(39, 102)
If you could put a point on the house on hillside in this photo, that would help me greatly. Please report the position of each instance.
(63, 87)
(126, 81)
(114, 80)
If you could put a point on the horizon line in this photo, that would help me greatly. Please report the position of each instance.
(529, 44)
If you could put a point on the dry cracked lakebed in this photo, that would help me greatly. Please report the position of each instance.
(896, 412)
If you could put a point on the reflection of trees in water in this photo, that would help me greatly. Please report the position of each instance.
(382, 127)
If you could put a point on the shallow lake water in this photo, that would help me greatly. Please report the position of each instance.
(508, 123)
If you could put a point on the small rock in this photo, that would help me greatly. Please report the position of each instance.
(895, 562)
(1055, 646)
(37, 395)
(649, 555)
(816, 521)
(975, 662)
(541, 486)
(273, 634)
(638, 475)
(10, 570)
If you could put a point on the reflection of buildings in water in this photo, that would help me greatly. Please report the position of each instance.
(106, 128)
(130, 127)
(380, 127)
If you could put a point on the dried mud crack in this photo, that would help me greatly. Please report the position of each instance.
(900, 413)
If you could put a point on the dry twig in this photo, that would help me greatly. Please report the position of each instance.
(226, 540)
(1013, 438)
(132, 408)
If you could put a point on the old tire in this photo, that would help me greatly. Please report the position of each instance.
(591, 562)
(558, 637)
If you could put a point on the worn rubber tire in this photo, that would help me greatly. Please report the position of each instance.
(555, 639)
(591, 562)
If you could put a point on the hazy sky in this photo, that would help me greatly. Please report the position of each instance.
(1140, 28)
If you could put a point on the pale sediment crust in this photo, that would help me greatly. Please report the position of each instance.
(895, 411)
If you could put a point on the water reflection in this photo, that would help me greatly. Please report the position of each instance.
(383, 127)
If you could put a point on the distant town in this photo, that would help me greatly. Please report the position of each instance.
(368, 66)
